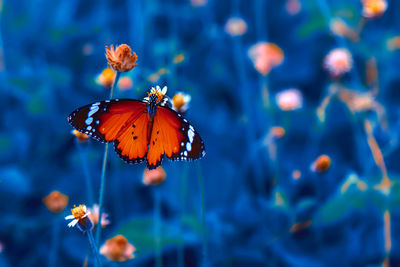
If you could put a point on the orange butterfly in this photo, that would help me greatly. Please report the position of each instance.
(141, 130)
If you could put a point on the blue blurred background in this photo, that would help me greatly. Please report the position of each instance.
(265, 203)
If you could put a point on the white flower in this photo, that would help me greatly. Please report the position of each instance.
(180, 102)
(78, 213)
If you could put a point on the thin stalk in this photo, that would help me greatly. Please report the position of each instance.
(103, 172)
(55, 243)
(203, 216)
(181, 249)
(157, 230)
(94, 248)
(86, 173)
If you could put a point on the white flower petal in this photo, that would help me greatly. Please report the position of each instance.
(164, 90)
(187, 98)
(69, 217)
(73, 223)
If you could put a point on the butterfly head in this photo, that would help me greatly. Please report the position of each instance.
(156, 95)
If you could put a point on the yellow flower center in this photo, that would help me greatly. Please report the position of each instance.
(78, 212)
(178, 101)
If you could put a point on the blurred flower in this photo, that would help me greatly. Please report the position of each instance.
(81, 137)
(293, 7)
(56, 201)
(180, 102)
(179, 58)
(338, 62)
(94, 216)
(87, 49)
(321, 164)
(235, 26)
(154, 77)
(265, 56)
(118, 249)
(290, 99)
(125, 83)
(340, 28)
(373, 8)
(300, 226)
(80, 216)
(393, 43)
(198, 2)
(296, 174)
(106, 78)
(121, 59)
(277, 131)
(154, 177)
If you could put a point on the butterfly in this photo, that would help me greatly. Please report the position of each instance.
(141, 130)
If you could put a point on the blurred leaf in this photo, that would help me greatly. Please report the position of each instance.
(314, 24)
(140, 232)
(340, 205)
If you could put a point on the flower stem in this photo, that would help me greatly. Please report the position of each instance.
(157, 227)
(55, 242)
(94, 248)
(203, 216)
(86, 173)
(103, 171)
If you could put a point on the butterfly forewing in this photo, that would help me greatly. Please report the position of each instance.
(105, 119)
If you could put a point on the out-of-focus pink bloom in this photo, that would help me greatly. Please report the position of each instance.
(265, 56)
(373, 8)
(118, 249)
(293, 7)
(290, 99)
(236, 26)
(338, 62)
(94, 216)
(125, 83)
(87, 49)
(154, 177)
(198, 2)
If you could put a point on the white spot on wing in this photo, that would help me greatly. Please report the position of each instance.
(191, 134)
(89, 120)
(93, 109)
(188, 146)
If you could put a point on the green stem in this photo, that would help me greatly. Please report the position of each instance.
(94, 248)
(103, 172)
(203, 215)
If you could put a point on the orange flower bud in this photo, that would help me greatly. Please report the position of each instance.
(321, 164)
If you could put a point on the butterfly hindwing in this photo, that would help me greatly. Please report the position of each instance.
(173, 136)
(132, 143)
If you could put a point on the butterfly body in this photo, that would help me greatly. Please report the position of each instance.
(141, 130)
